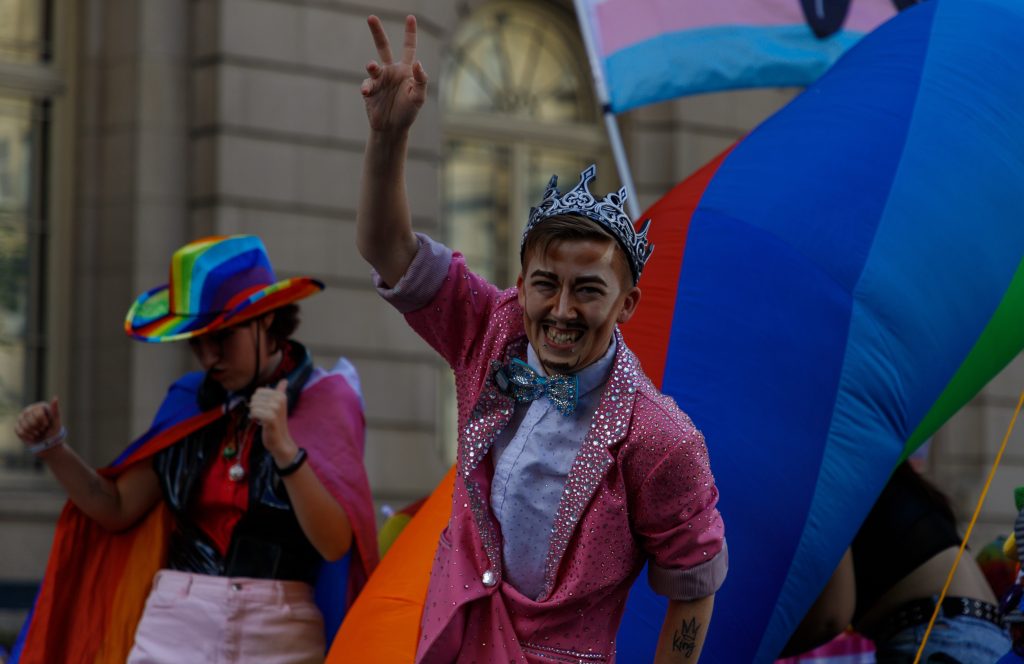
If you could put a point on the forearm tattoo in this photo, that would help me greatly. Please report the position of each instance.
(684, 639)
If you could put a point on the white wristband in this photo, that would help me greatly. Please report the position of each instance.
(49, 443)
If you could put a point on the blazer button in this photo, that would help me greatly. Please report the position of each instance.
(490, 578)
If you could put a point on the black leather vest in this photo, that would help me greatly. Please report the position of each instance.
(267, 543)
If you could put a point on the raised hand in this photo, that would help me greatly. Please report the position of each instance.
(269, 408)
(38, 421)
(395, 91)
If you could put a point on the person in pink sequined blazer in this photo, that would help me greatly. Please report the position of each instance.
(573, 470)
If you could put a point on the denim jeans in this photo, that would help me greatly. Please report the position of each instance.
(956, 640)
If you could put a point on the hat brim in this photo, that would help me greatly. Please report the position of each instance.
(149, 318)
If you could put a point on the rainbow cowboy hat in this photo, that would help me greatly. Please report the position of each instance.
(216, 282)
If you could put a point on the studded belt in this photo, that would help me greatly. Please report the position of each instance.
(919, 612)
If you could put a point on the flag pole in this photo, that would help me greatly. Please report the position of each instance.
(610, 122)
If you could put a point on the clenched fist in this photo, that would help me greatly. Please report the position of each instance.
(38, 422)
(269, 408)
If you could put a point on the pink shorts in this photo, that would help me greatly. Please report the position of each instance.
(199, 618)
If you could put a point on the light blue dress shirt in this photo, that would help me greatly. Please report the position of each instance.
(534, 454)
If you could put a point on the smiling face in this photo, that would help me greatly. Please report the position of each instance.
(573, 293)
(229, 355)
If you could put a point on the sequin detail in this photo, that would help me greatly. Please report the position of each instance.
(524, 384)
(485, 526)
(563, 654)
(610, 424)
(489, 416)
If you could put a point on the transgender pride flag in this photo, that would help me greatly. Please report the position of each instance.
(652, 50)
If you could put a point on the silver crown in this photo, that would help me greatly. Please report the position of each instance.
(608, 212)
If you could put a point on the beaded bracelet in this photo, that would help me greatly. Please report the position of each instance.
(300, 458)
(49, 443)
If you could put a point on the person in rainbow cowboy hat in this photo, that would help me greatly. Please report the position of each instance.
(204, 540)
(572, 471)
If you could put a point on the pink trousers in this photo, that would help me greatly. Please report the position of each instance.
(199, 618)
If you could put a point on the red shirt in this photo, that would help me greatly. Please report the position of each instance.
(220, 502)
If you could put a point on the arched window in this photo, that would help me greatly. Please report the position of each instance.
(518, 106)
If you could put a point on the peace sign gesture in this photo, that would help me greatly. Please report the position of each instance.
(395, 91)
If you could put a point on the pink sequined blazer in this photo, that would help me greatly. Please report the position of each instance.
(640, 489)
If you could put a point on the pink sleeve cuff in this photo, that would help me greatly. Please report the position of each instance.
(691, 583)
(422, 279)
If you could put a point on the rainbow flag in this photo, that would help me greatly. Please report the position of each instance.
(652, 50)
(839, 284)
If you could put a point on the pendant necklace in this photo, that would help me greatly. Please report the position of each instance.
(236, 473)
(233, 450)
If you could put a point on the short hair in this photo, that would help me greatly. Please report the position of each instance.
(567, 227)
(286, 321)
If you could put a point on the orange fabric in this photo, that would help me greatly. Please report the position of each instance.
(147, 555)
(104, 582)
(382, 627)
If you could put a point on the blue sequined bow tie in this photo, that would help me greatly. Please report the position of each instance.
(524, 384)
